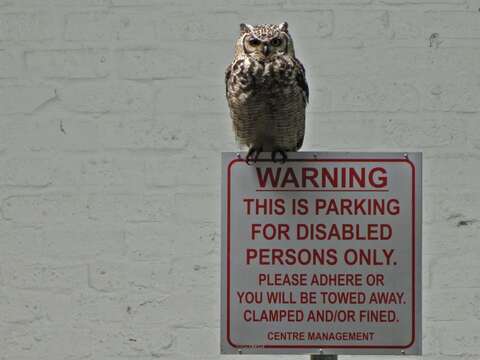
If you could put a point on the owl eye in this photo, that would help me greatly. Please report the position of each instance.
(276, 42)
(254, 42)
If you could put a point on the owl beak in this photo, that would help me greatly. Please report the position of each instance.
(266, 50)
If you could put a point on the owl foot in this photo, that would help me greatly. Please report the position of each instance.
(283, 155)
(253, 154)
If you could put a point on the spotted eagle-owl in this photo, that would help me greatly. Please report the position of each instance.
(266, 91)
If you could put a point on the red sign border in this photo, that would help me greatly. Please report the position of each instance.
(403, 160)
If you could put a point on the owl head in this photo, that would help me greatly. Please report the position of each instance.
(265, 42)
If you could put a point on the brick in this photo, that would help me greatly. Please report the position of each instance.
(151, 242)
(259, 4)
(445, 304)
(9, 67)
(136, 2)
(91, 305)
(473, 137)
(457, 338)
(124, 172)
(129, 207)
(70, 242)
(312, 4)
(51, 341)
(44, 209)
(363, 24)
(205, 240)
(220, 4)
(73, 133)
(452, 24)
(438, 236)
(472, 4)
(21, 4)
(72, 64)
(153, 64)
(132, 341)
(421, 2)
(407, 24)
(45, 276)
(434, 131)
(456, 271)
(195, 272)
(445, 205)
(101, 26)
(476, 306)
(92, 26)
(107, 276)
(19, 242)
(320, 97)
(348, 61)
(162, 172)
(303, 25)
(175, 171)
(25, 171)
(26, 26)
(18, 310)
(121, 97)
(181, 96)
(84, 3)
(188, 310)
(150, 276)
(451, 61)
(149, 307)
(140, 133)
(344, 131)
(426, 264)
(89, 132)
(27, 307)
(364, 94)
(430, 343)
(438, 169)
(24, 99)
(158, 64)
(180, 25)
(62, 277)
(212, 132)
(197, 207)
(408, 62)
(80, 133)
(191, 343)
(132, 25)
(459, 93)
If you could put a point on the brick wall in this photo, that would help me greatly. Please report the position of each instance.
(112, 119)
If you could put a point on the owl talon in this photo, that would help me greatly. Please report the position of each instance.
(283, 155)
(253, 154)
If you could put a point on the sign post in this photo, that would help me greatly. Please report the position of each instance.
(322, 254)
(323, 357)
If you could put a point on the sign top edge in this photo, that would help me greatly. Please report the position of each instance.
(401, 153)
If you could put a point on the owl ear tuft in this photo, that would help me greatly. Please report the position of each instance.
(283, 26)
(245, 28)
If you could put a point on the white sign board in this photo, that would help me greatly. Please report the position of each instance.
(322, 254)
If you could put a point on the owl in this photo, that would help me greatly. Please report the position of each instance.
(267, 92)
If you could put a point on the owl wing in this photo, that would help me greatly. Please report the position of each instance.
(302, 81)
(228, 72)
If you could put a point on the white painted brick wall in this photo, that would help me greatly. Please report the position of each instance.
(112, 120)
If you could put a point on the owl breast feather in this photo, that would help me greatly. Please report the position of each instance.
(266, 102)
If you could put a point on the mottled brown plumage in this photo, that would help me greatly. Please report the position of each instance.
(266, 91)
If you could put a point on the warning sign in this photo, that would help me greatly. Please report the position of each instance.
(322, 254)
